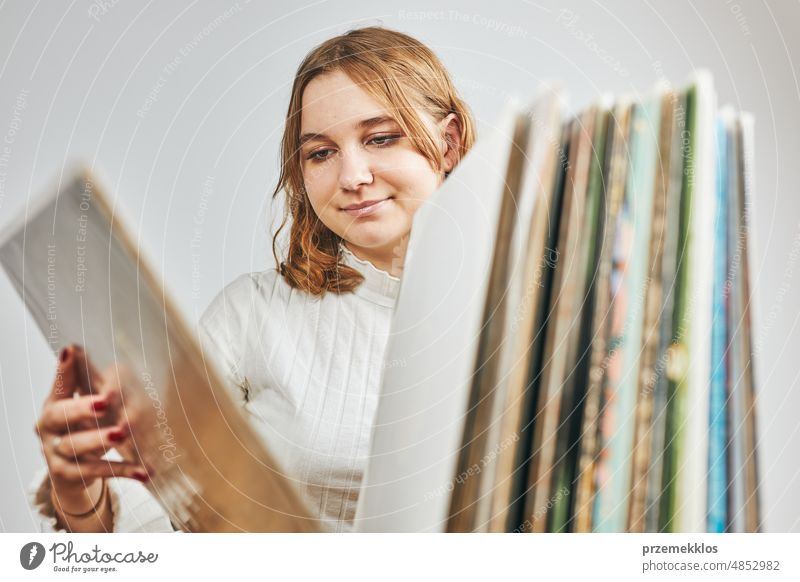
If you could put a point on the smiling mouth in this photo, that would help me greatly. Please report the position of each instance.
(366, 208)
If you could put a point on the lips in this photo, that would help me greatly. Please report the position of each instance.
(363, 204)
(365, 208)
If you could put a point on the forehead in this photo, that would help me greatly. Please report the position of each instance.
(333, 101)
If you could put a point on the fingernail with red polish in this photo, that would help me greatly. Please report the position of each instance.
(63, 355)
(141, 476)
(99, 405)
(116, 435)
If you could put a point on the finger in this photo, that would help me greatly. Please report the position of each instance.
(113, 381)
(88, 379)
(61, 415)
(64, 470)
(75, 444)
(65, 380)
(114, 378)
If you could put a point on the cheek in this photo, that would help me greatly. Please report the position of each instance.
(320, 185)
(412, 176)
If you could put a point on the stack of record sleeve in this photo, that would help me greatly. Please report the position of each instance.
(575, 326)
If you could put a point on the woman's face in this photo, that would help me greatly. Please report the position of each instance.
(364, 178)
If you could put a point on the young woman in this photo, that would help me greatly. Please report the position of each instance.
(374, 125)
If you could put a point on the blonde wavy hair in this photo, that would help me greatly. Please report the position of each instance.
(405, 77)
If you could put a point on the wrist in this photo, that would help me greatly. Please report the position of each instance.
(76, 501)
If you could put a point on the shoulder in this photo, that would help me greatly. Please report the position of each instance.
(232, 315)
(234, 305)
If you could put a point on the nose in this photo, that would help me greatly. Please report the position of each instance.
(354, 170)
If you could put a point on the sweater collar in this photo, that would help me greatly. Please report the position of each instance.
(378, 286)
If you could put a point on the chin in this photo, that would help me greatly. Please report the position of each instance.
(376, 238)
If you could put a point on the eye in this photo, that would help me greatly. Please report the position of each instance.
(317, 157)
(384, 140)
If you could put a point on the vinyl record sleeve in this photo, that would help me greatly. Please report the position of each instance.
(651, 333)
(613, 194)
(630, 283)
(467, 495)
(81, 276)
(667, 276)
(692, 480)
(576, 382)
(552, 443)
(532, 260)
(718, 430)
(746, 146)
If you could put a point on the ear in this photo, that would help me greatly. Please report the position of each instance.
(451, 143)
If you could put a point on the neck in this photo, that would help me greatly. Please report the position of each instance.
(390, 258)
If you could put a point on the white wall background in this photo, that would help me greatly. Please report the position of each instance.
(179, 106)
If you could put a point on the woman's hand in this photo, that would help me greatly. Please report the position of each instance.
(81, 420)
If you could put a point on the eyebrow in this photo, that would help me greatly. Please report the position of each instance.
(363, 124)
